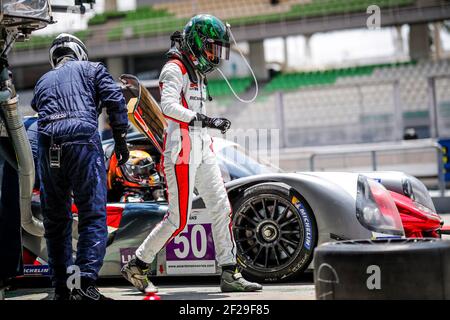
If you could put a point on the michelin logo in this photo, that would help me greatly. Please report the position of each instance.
(306, 222)
(32, 270)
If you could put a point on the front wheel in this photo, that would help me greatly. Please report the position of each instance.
(275, 232)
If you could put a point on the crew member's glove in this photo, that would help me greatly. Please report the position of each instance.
(121, 148)
(221, 124)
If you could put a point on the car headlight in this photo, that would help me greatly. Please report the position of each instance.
(375, 208)
(418, 193)
(371, 214)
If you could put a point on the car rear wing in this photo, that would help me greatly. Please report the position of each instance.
(143, 110)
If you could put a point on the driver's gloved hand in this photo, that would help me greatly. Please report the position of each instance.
(121, 148)
(221, 124)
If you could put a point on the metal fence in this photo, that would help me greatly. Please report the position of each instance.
(422, 158)
(340, 114)
(440, 102)
(370, 111)
(356, 113)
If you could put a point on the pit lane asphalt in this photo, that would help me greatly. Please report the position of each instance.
(195, 288)
(182, 288)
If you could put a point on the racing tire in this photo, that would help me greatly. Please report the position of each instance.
(383, 269)
(275, 232)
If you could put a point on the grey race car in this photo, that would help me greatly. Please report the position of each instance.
(278, 218)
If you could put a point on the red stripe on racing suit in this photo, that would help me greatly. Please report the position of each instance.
(182, 163)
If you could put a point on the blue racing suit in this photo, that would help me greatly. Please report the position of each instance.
(68, 100)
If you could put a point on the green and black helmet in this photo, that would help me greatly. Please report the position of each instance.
(206, 40)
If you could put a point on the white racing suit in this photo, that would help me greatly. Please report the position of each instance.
(189, 161)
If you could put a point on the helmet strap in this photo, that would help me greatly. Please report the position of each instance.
(190, 68)
(175, 54)
(208, 94)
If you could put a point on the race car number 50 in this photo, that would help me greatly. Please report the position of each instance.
(195, 243)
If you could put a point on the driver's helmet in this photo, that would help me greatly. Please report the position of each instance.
(138, 172)
(206, 40)
(67, 44)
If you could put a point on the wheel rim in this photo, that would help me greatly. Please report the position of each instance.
(268, 232)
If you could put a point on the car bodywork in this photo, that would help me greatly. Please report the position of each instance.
(414, 203)
(321, 206)
(331, 196)
(333, 205)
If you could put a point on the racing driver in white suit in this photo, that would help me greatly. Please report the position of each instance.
(189, 160)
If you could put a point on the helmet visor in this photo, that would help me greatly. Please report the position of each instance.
(216, 50)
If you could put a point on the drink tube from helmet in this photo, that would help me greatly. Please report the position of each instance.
(248, 66)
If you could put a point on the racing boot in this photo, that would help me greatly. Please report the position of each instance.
(233, 281)
(136, 272)
(61, 293)
(88, 291)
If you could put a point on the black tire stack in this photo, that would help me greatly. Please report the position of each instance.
(383, 269)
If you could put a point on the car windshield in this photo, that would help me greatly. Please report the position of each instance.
(238, 163)
(30, 9)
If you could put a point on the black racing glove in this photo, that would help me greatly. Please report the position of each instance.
(121, 148)
(221, 124)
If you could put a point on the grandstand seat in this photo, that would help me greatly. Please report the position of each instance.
(357, 106)
(164, 17)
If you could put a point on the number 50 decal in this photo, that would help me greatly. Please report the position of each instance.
(197, 232)
(194, 244)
